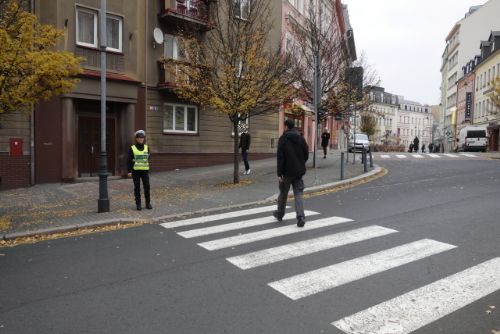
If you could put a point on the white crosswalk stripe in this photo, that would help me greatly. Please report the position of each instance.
(435, 156)
(469, 155)
(417, 308)
(418, 156)
(400, 156)
(281, 253)
(322, 279)
(238, 225)
(385, 156)
(206, 219)
(451, 155)
(271, 233)
(403, 314)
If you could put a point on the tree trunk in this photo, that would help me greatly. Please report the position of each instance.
(236, 174)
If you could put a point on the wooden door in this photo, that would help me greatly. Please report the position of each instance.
(89, 145)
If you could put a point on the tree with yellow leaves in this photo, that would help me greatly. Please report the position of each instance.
(30, 68)
(495, 93)
(235, 68)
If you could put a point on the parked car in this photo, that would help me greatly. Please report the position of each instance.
(358, 144)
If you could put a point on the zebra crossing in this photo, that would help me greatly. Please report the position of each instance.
(428, 156)
(425, 304)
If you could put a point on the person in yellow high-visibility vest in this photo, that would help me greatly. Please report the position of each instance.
(138, 168)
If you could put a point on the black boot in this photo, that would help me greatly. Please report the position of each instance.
(138, 205)
(148, 206)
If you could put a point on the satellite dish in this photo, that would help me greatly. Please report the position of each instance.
(158, 35)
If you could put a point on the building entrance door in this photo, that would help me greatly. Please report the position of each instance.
(89, 145)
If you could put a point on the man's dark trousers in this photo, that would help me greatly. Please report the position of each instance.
(244, 156)
(137, 175)
(298, 189)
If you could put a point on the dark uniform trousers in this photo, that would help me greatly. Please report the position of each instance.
(137, 175)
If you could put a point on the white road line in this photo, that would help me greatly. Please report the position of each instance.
(281, 253)
(206, 219)
(469, 155)
(385, 156)
(400, 156)
(434, 155)
(322, 279)
(420, 307)
(238, 225)
(417, 156)
(271, 233)
(451, 155)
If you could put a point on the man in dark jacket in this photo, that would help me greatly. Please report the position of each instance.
(325, 140)
(292, 156)
(138, 168)
(245, 146)
(415, 144)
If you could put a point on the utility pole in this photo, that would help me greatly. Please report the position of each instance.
(103, 202)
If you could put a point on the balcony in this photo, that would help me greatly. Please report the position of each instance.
(185, 13)
(169, 71)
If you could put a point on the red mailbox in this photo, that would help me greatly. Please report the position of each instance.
(16, 146)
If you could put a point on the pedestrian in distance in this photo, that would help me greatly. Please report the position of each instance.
(423, 148)
(138, 168)
(293, 153)
(325, 140)
(431, 147)
(410, 148)
(245, 139)
(415, 144)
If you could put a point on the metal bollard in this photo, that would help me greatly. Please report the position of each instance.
(365, 162)
(371, 159)
(342, 165)
(347, 159)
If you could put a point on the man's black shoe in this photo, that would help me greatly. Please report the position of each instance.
(277, 216)
(139, 207)
(148, 206)
(301, 222)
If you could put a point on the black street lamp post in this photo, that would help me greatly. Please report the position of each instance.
(103, 202)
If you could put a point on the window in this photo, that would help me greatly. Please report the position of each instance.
(114, 29)
(86, 30)
(180, 118)
(172, 48)
(242, 9)
(86, 27)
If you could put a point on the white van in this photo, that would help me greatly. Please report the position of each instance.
(362, 142)
(473, 138)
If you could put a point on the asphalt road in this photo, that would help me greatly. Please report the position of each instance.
(442, 215)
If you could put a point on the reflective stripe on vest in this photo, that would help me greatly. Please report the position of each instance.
(141, 158)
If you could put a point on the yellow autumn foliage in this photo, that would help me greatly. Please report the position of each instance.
(30, 67)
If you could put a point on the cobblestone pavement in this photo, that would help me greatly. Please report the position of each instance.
(179, 191)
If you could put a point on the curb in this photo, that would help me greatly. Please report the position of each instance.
(377, 171)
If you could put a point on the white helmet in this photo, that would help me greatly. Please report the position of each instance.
(140, 133)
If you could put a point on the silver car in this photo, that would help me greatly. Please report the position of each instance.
(361, 142)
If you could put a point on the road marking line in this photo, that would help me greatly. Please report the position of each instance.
(469, 155)
(417, 156)
(271, 233)
(415, 309)
(400, 156)
(206, 219)
(385, 156)
(326, 278)
(238, 225)
(434, 155)
(451, 155)
(285, 252)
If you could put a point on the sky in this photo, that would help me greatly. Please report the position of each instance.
(403, 40)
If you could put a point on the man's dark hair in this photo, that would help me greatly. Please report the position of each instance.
(290, 124)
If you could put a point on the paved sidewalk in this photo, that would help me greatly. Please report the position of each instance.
(50, 206)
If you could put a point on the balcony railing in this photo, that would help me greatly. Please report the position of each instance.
(194, 11)
(169, 73)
